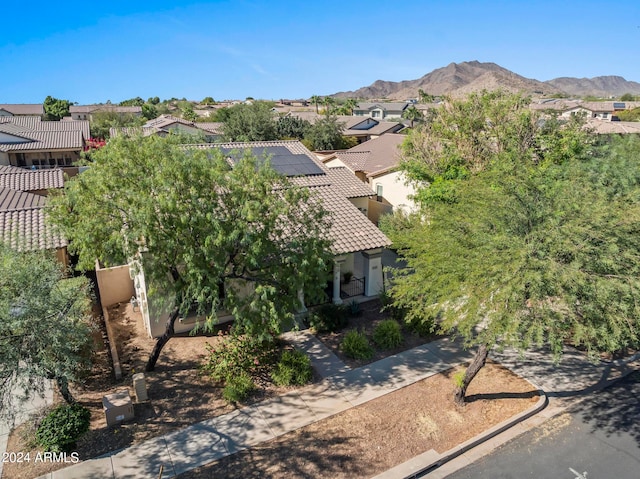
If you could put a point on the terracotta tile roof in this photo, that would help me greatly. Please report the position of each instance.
(17, 200)
(355, 160)
(23, 109)
(47, 140)
(350, 231)
(35, 123)
(28, 230)
(383, 153)
(21, 179)
(347, 184)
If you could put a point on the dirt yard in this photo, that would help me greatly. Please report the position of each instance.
(366, 322)
(371, 438)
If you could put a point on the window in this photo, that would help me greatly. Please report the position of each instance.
(379, 192)
(376, 114)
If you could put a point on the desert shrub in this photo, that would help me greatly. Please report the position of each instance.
(354, 308)
(236, 355)
(329, 318)
(62, 427)
(294, 368)
(238, 388)
(387, 334)
(356, 345)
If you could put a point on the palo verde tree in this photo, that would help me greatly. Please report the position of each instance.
(528, 233)
(45, 326)
(208, 237)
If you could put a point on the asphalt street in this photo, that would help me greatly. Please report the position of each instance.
(597, 439)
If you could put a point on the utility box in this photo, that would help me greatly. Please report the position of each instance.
(140, 387)
(117, 407)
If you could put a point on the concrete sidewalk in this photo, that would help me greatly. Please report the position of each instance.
(215, 438)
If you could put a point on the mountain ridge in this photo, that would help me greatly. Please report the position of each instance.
(458, 79)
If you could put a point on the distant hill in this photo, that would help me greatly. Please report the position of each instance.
(458, 79)
(599, 86)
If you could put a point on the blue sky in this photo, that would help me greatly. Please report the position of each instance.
(91, 52)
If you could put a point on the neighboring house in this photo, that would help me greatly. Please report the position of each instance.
(166, 124)
(23, 219)
(30, 142)
(376, 163)
(85, 112)
(357, 243)
(381, 111)
(29, 109)
(363, 129)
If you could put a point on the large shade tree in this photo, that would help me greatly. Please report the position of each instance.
(200, 229)
(528, 235)
(45, 327)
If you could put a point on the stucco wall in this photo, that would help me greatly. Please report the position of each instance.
(394, 190)
(115, 284)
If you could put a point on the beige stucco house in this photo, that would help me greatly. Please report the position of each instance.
(357, 244)
(86, 112)
(376, 163)
(30, 142)
(166, 124)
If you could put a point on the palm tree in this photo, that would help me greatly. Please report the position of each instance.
(412, 114)
(315, 99)
(328, 102)
(351, 103)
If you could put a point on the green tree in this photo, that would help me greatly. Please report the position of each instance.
(103, 121)
(412, 114)
(251, 122)
(137, 101)
(55, 109)
(329, 104)
(292, 127)
(45, 326)
(325, 134)
(424, 97)
(535, 244)
(629, 115)
(220, 114)
(204, 227)
(188, 113)
(316, 100)
(149, 111)
(154, 100)
(208, 101)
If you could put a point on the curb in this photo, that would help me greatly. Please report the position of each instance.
(416, 467)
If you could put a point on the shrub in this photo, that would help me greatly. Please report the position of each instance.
(329, 318)
(356, 345)
(61, 428)
(238, 388)
(236, 355)
(354, 308)
(387, 334)
(387, 305)
(294, 368)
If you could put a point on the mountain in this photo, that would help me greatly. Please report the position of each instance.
(603, 86)
(458, 79)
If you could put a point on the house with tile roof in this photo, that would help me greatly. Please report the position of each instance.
(376, 163)
(30, 142)
(381, 110)
(28, 109)
(166, 124)
(363, 129)
(23, 218)
(86, 112)
(357, 244)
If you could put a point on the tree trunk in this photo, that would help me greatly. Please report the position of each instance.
(162, 340)
(476, 365)
(63, 387)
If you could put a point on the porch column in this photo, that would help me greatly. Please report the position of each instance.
(373, 281)
(336, 281)
(302, 308)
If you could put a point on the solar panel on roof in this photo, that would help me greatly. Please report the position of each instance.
(282, 160)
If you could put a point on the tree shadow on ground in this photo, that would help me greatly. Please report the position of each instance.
(616, 409)
(502, 395)
(305, 457)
